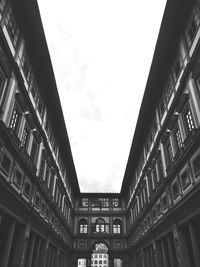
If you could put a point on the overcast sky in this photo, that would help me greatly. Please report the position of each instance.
(101, 51)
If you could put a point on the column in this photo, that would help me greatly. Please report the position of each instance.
(44, 253)
(8, 245)
(58, 257)
(155, 254)
(37, 253)
(158, 254)
(172, 258)
(195, 246)
(64, 261)
(164, 254)
(53, 257)
(30, 256)
(179, 246)
(152, 256)
(49, 256)
(145, 257)
(21, 245)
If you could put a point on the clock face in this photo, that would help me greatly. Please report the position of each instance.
(101, 246)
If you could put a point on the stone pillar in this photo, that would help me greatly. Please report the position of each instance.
(164, 254)
(65, 262)
(52, 264)
(172, 258)
(195, 245)
(181, 248)
(44, 250)
(145, 256)
(21, 245)
(8, 244)
(30, 256)
(49, 256)
(152, 255)
(37, 252)
(158, 254)
(58, 257)
(155, 254)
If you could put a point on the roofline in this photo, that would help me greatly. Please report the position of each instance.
(29, 19)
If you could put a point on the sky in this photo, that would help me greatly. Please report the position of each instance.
(101, 52)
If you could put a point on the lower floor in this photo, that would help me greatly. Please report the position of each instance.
(21, 245)
(174, 242)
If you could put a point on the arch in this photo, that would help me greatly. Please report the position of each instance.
(117, 226)
(99, 256)
(83, 226)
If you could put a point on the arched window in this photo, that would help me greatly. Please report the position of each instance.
(100, 225)
(100, 256)
(117, 226)
(83, 228)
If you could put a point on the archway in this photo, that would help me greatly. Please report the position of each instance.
(99, 257)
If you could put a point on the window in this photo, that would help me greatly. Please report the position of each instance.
(177, 68)
(40, 106)
(189, 122)
(2, 6)
(159, 210)
(2, 85)
(178, 138)
(15, 120)
(117, 262)
(47, 175)
(25, 137)
(168, 152)
(115, 202)
(175, 189)
(159, 168)
(18, 177)
(47, 212)
(169, 90)
(117, 226)
(51, 182)
(37, 200)
(84, 202)
(42, 167)
(150, 183)
(83, 226)
(164, 201)
(6, 162)
(12, 27)
(96, 203)
(33, 89)
(161, 107)
(27, 189)
(34, 151)
(104, 202)
(196, 165)
(154, 176)
(185, 178)
(43, 208)
(100, 225)
(192, 27)
(26, 67)
(154, 213)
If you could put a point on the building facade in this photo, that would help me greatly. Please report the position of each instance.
(45, 221)
(163, 170)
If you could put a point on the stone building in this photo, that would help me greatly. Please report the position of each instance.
(45, 221)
